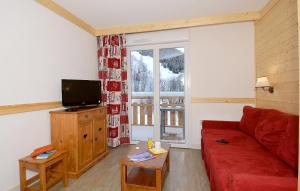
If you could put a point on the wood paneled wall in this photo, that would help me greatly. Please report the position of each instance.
(276, 44)
(298, 8)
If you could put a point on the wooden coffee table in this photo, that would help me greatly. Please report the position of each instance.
(147, 175)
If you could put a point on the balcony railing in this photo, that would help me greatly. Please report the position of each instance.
(171, 111)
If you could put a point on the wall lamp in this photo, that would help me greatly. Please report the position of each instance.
(264, 83)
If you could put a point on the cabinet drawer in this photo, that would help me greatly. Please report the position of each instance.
(85, 116)
(100, 112)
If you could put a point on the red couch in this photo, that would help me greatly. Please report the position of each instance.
(261, 153)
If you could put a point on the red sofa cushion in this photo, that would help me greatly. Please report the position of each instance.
(212, 124)
(288, 148)
(243, 154)
(270, 129)
(250, 182)
(250, 119)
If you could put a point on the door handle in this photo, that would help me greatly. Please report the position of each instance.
(100, 129)
(85, 135)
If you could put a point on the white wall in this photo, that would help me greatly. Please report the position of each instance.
(220, 64)
(37, 49)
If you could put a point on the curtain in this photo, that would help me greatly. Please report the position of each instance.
(112, 68)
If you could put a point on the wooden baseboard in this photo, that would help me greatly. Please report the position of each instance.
(20, 108)
(223, 100)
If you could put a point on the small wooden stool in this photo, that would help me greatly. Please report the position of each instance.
(51, 170)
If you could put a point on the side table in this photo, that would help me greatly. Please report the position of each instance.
(51, 171)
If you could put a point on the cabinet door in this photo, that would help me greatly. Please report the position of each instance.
(99, 135)
(85, 143)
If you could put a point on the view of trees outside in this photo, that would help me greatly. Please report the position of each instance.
(171, 70)
(142, 71)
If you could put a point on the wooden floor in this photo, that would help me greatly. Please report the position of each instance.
(187, 173)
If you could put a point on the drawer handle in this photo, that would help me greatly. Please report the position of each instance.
(86, 116)
(100, 129)
(85, 135)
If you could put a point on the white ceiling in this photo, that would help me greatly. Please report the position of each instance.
(111, 13)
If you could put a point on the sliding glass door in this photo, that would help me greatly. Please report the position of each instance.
(157, 75)
(171, 93)
(142, 96)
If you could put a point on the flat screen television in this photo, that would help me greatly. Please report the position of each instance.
(81, 93)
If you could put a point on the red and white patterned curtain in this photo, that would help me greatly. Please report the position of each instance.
(112, 64)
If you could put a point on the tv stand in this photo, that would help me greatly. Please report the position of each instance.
(83, 134)
(74, 109)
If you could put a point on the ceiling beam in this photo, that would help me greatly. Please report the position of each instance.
(157, 26)
(67, 15)
(268, 7)
(184, 23)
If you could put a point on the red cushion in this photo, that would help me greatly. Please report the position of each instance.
(288, 148)
(250, 119)
(270, 129)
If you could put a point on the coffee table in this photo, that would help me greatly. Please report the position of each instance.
(146, 175)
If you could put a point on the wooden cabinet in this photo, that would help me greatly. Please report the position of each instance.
(85, 143)
(83, 134)
(99, 136)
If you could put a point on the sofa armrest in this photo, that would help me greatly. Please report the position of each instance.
(250, 182)
(211, 124)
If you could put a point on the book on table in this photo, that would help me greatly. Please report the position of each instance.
(45, 155)
(139, 157)
(41, 150)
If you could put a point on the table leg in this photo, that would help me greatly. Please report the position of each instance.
(64, 170)
(158, 180)
(22, 171)
(168, 162)
(123, 177)
(43, 181)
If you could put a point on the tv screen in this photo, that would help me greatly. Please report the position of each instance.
(81, 92)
